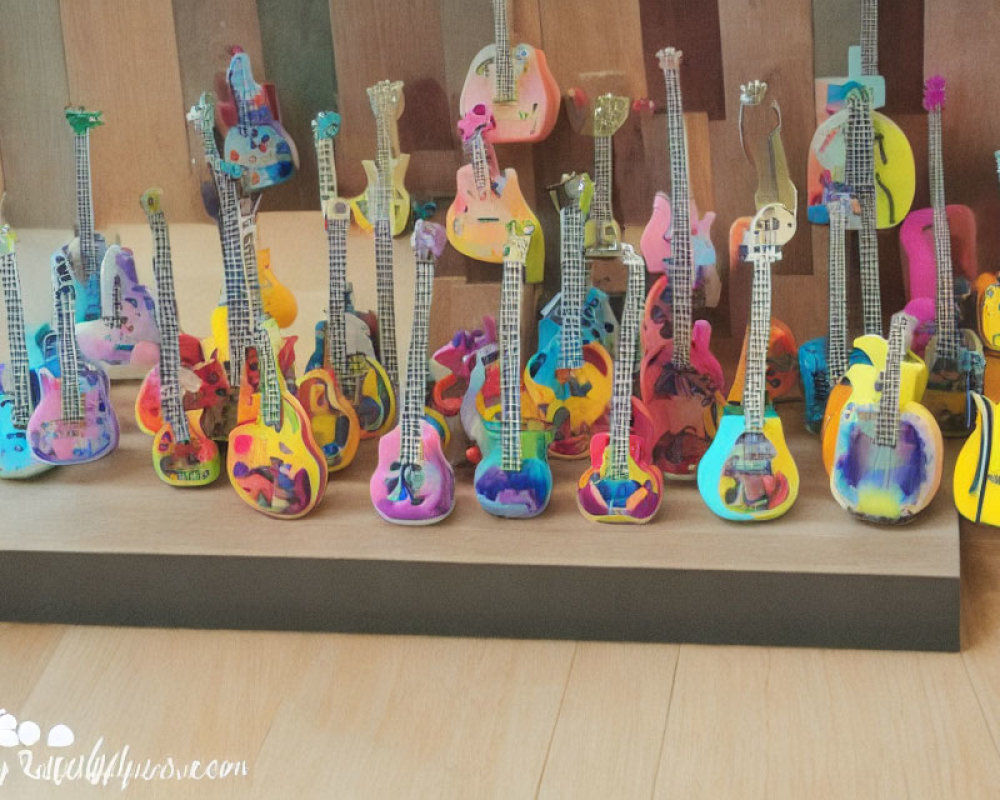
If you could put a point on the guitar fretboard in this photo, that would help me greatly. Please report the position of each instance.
(416, 366)
(869, 37)
(270, 384)
(85, 206)
(19, 390)
(948, 343)
(383, 252)
(64, 311)
(621, 400)
(836, 342)
(336, 332)
(480, 163)
(504, 89)
(600, 206)
(327, 169)
(887, 424)
(233, 268)
(251, 277)
(510, 364)
(574, 277)
(754, 389)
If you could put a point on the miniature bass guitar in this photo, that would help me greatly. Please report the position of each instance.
(622, 484)
(977, 469)
(182, 454)
(514, 478)
(894, 172)
(258, 150)
(954, 357)
(413, 483)
(514, 83)
(568, 382)
(680, 381)
(887, 464)
(602, 235)
(748, 474)
(387, 173)
(74, 422)
(18, 383)
(487, 199)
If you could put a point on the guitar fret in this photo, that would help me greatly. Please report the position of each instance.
(510, 364)
(574, 275)
(621, 401)
(234, 270)
(64, 301)
(383, 243)
(600, 207)
(411, 450)
(480, 164)
(869, 37)
(948, 344)
(504, 89)
(336, 331)
(20, 391)
(85, 206)
(754, 390)
(837, 358)
(860, 175)
(887, 424)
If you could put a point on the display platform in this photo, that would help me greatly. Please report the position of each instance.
(107, 543)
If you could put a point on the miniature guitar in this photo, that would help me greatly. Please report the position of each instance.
(458, 357)
(182, 454)
(513, 479)
(514, 83)
(343, 340)
(86, 251)
(748, 474)
(387, 173)
(954, 357)
(893, 166)
(18, 383)
(680, 381)
(977, 469)
(568, 382)
(487, 199)
(622, 484)
(823, 361)
(74, 421)
(988, 287)
(887, 463)
(602, 235)
(274, 463)
(258, 150)
(413, 483)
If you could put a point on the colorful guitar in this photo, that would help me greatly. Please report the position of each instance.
(387, 173)
(513, 479)
(182, 454)
(894, 173)
(487, 199)
(273, 461)
(602, 235)
(257, 149)
(622, 484)
(18, 391)
(413, 483)
(988, 289)
(86, 252)
(954, 357)
(568, 382)
(977, 469)
(514, 83)
(74, 421)
(680, 381)
(887, 464)
(458, 357)
(279, 302)
(748, 474)
(823, 361)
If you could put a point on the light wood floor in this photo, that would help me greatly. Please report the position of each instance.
(338, 716)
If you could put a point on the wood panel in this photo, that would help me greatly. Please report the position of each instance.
(36, 144)
(130, 70)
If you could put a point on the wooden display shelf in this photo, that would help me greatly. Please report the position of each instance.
(107, 543)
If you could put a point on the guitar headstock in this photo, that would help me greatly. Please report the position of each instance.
(575, 189)
(326, 125)
(386, 99)
(518, 240)
(669, 58)
(762, 240)
(81, 120)
(631, 258)
(151, 201)
(428, 240)
(934, 90)
(336, 209)
(7, 240)
(610, 113)
(477, 119)
(752, 93)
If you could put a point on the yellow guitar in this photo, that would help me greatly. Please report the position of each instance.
(602, 235)
(278, 300)
(977, 469)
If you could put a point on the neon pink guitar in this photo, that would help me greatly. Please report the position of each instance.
(514, 83)
(413, 483)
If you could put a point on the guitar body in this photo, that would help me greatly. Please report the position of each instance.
(477, 226)
(413, 494)
(988, 290)
(16, 458)
(482, 402)
(457, 357)
(916, 237)
(782, 364)
(635, 499)
(192, 463)
(399, 201)
(277, 299)
(815, 380)
(683, 402)
(58, 441)
(747, 477)
(949, 383)
(895, 171)
(977, 468)
(88, 306)
(514, 495)
(531, 117)
(334, 423)
(280, 473)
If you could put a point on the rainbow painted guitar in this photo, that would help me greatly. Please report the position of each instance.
(413, 483)
(74, 422)
(887, 463)
(514, 83)
(622, 484)
(977, 470)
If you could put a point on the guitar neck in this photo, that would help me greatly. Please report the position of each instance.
(416, 366)
(600, 206)
(621, 400)
(836, 342)
(237, 310)
(480, 163)
(327, 169)
(270, 384)
(336, 331)
(71, 406)
(869, 37)
(510, 364)
(386, 300)
(19, 391)
(504, 86)
(85, 205)
(574, 272)
(754, 389)
(887, 425)
(860, 175)
(944, 310)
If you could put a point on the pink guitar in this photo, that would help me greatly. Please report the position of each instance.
(413, 483)
(74, 422)
(514, 83)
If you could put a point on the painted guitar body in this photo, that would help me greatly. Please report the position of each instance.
(331, 416)
(399, 201)
(635, 499)
(89, 291)
(515, 495)
(814, 375)
(747, 477)
(950, 381)
(192, 463)
(16, 457)
(277, 299)
(977, 469)
(58, 441)
(531, 117)
(413, 494)
(458, 357)
(782, 364)
(988, 290)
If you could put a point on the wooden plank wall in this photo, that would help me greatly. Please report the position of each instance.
(144, 62)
